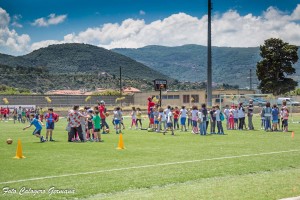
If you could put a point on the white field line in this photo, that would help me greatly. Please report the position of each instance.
(146, 166)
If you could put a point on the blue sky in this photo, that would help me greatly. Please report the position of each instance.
(38, 23)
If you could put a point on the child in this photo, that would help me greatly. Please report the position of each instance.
(156, 114)
(162, 120)
(262, 118)
(231, 120)
(151, 118)
(38, 127)
(201, 121)
(183, 113)
(133, 118)
(275, 113)
(195, 119)
(15, 115)
(190, 122)
(285, 115)
(218, 119)
(97, 126)
(176, 116)
(50, 119)
(117, 119)
(236, 117)
(138, 117)
(90, 126)
(170, 120)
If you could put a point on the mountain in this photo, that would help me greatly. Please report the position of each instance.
(82, 58)
(188, 63)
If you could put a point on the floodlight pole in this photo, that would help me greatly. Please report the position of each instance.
(209, 58)
(121, 85)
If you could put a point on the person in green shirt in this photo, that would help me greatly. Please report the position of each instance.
(97, 126)
(23, 116)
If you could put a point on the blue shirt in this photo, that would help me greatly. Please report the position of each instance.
(275, 113)
(36, 123)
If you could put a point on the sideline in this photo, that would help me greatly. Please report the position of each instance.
(146, 166)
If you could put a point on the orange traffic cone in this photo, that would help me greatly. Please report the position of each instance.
(293, 135)
(121, 143)
(19, 153)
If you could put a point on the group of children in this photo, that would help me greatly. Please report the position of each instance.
(86, 124)
(169, 118)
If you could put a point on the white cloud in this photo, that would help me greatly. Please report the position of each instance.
(229, 29)
(15, 22)
(10, 41)
(142, 12)
(52, 19)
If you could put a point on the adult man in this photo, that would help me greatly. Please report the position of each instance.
(250, 115)
(50, 118)
(102, 111)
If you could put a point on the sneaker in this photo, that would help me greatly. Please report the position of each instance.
(51, 140)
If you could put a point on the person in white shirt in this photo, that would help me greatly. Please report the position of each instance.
(170, 120)
(183, 115)
(218, 119)
(235, 117)
(195, 119)
(226, 112)
(162, 120)
(241, 116)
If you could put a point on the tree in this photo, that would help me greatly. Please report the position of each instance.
(276, 65)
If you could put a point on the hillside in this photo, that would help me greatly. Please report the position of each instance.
(82, 58)
(188, 62)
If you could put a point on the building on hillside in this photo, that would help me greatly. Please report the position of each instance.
(187, 98)
(131, 90)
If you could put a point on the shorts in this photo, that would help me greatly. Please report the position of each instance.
(90, 126)
(285, 123)
(194, 123)
(50, 125)
(117, 121)
(37, 131)
(156, 122)
(236, 120)
(170, 125)
(274, 121)
(97, 130)
(151, 121)
(182, 121)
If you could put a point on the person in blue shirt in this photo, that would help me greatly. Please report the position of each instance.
(38, 127)
(275, 114)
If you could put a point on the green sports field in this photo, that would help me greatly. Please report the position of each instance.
(239, 165)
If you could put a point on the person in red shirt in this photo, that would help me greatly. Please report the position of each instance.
(176, 113)
(1, 113)
(102, 111)
(151, 105)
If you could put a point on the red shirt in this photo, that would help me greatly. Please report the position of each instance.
(101, 109)
(176, 114)
(151, 104)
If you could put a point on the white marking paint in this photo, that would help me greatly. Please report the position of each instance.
(146, 166)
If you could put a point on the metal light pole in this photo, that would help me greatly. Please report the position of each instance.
(121, 85)
(209, 62)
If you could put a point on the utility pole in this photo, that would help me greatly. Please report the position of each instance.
(209, 62)
(250, 79)
(121, 85)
